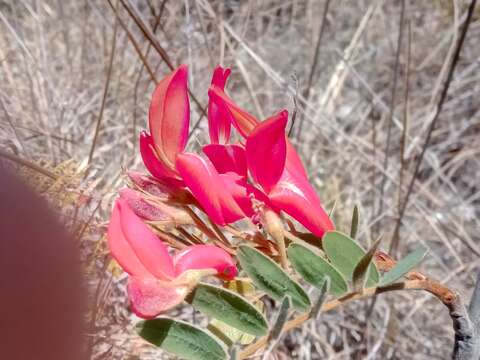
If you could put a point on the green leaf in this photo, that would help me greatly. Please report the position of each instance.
(354, 227)
(270, 278)
(360, 272)
(228, 307)
(228, 334)
(317, 306)
(280, 319)
(345, 253)
(277, 327)
(403, 266)
(314, 269)
(181, 339)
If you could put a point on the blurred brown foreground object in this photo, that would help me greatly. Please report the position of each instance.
(42, 297)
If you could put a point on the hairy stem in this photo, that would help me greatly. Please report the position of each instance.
(464, 339)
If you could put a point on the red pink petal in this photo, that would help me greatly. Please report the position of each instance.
(120, 249)
(266, 151)
(245, 123)
(149, 185)
(150, 250)
(219, 121)
(208, 188)
(156, 167)
(240, 190)
(169, 116)
(141, 207)
(220, 76)
(242, 120)
(293, 162)
(227, 158)
(199, 257)
(294, 195)
(150, 297)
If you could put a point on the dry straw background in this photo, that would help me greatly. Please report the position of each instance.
(75, 82)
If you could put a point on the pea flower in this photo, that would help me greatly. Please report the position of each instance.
(278, 175)
(159, 281)
(168, 120)
(265, 167)
(163, 150)
(219, 122)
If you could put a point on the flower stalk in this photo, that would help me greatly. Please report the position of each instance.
(415, 281)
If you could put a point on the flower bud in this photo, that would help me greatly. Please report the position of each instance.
(155, 210)
(272, 224)
(149, 185)
(160, 190)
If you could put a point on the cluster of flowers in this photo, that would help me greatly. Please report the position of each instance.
(227, 183)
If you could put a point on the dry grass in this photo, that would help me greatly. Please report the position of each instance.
(55, 91)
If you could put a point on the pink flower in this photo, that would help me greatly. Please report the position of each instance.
(163, 151)
(220, 183)
(169, 117)
(272, 162)
(219, 121)
(159, 281)
(211, 189)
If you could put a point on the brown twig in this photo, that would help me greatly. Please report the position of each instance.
(467, 345)
(386, 157)
(140, 73)
(415, 281)
(313, 68)
(29, 164)
(445, 295)
(135, 44)
(147, 32)
(105, 92)
(438, 110)
(396, 236)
